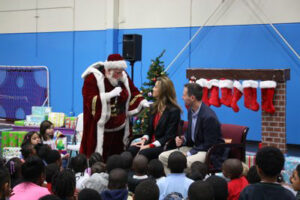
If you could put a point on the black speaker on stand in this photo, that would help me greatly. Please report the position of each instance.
(132, 49)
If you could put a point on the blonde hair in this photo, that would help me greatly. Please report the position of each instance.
(166, 95)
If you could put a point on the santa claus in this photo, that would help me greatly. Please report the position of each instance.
(109, 99)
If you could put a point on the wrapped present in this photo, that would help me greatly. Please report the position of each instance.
(57, 119)
(34, 124)
(20, 136)
(11, 152)
(4, 139)
(70, 122)
(59, 142)
(40, 110)
(250, 159)
(12, 138)
(19, 122)
(290, 164)
(35, 118)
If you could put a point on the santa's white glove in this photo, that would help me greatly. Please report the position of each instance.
(114, 93)
(146, 104)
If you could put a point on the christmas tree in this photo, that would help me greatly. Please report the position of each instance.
(156, 70)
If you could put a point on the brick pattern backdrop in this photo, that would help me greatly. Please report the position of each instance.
(274, 126)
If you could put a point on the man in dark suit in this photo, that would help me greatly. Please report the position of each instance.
(204, 129)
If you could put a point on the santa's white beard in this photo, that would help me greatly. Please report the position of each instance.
(113, 81)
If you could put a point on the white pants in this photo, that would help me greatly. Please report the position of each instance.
(200, 156)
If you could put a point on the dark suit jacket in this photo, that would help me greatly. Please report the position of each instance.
(167, 126)
(207, 130)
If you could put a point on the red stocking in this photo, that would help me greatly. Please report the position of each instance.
(250, 95)
(267, 95)
(205, 90)
(226, 91)
(214, 93)
(237, 94)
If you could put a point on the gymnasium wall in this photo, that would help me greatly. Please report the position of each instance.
(68, 36)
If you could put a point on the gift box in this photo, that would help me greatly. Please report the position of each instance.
(59, 142)
(19, 122)
(70, 122)
(34, 124)
(4, 139)
(290, 164)
(35, 118)
(11, 152)
(57, 118)
(40, 110)
(12, 138)
(250, 159)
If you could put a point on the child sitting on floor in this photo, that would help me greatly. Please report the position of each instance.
(233, 169)
(295, 180)
(139, 166)
(14, 167)
(79, 165)
(5, 190)
(156, 169)
(32, 137)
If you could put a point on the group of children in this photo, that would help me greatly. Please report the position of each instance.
(40, 174)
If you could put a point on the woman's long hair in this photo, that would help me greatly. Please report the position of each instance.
(166, 95)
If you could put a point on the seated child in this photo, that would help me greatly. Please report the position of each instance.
(63, 184)
(99, 179)
(27, 150)
(200, 190)
(51, 170)
(139, 174)
(89, 194)
(33, 172)
(79, 165)
(5, 190)
(219, 186)
(47, 130)
(269, 162)
(295, 180)
(198, 171)
(54, 156)
(252, 175)
(32, 137)
(95, 157)
(156, 169)
(127, 159)
(233, 169)
(42, 151)
(147, 190)
(117, 185)
(14, 167)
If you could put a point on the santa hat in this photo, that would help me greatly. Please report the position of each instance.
(115, 61)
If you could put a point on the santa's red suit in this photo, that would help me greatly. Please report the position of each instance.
(106, 120)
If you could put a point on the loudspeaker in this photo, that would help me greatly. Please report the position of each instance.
(132, 47)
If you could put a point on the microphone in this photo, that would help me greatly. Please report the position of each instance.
(118, 85)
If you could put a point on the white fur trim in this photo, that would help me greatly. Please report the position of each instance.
(121, 64)
(226, 84)
(267, 84)
(104, 114)
(156, 143)
(127, 132)
(214, 82)
(146, 137)
(250, 83)
(115, 129)
(138, 109)
(202, 82)
(93, 68)
(238, 85)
